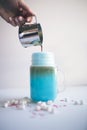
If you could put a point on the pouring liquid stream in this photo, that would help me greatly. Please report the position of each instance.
(41, 48)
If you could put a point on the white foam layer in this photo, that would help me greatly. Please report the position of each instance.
(43, 59)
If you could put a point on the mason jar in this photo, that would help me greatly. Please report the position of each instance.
(43, 77)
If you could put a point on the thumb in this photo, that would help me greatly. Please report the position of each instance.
(25, 7)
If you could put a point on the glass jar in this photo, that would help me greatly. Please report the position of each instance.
(43, 77)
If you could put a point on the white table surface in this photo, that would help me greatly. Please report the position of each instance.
(67, 117)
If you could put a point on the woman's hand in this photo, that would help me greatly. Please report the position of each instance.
(15, 12)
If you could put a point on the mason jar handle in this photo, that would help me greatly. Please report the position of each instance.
(63, 80)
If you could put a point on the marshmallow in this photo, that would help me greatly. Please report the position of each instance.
(39, 103)
(43, 104)
(53, 111)
(6, 104)
(44, 107)
(28, 100)
(38, 108)
(81, 102)
(75, 103)
(49, 102)
(50, 109)
(22, 107)
(65, 99)
(24, 102)
(14, 101)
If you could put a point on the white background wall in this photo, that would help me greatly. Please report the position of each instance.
(64, 24)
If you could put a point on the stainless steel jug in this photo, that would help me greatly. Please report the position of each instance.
(30, 34)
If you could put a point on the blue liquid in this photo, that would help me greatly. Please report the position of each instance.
(43, 83)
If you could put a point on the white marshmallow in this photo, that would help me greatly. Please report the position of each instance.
(38, 108)
(24, 102)
(8, 102)
(50, 109)
(53, 111)
(43, 104)
(49, 102)
(39, 103)
(81, 102)
(12, 101)
(6, 105)
(44, 107)
(66, 100)
(28, 100)
(22, 107)
(75, 103)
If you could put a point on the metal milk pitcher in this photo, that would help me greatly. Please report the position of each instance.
(30, 34)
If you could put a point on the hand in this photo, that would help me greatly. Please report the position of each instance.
(15, 12)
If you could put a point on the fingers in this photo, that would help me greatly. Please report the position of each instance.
(24, 15)
(29, 19)
(25, 7)
(12, 22)
(25, 11)
(17, 21)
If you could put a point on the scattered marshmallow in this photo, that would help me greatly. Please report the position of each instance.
(54, 111)
(43, 104)
(81, 102)
(49, 102)
(6, 104)
(21, 107)
(75, 103)
(62, 100)
(23, 102)
(28, 100)
(39, 103)
(78, 102)
(55, 105)
(48, 106)
(66, 100)
(38, 108)
(14, 102)
(50, 109)
(44, 107)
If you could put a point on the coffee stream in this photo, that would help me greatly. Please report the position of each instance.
(41, 48)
